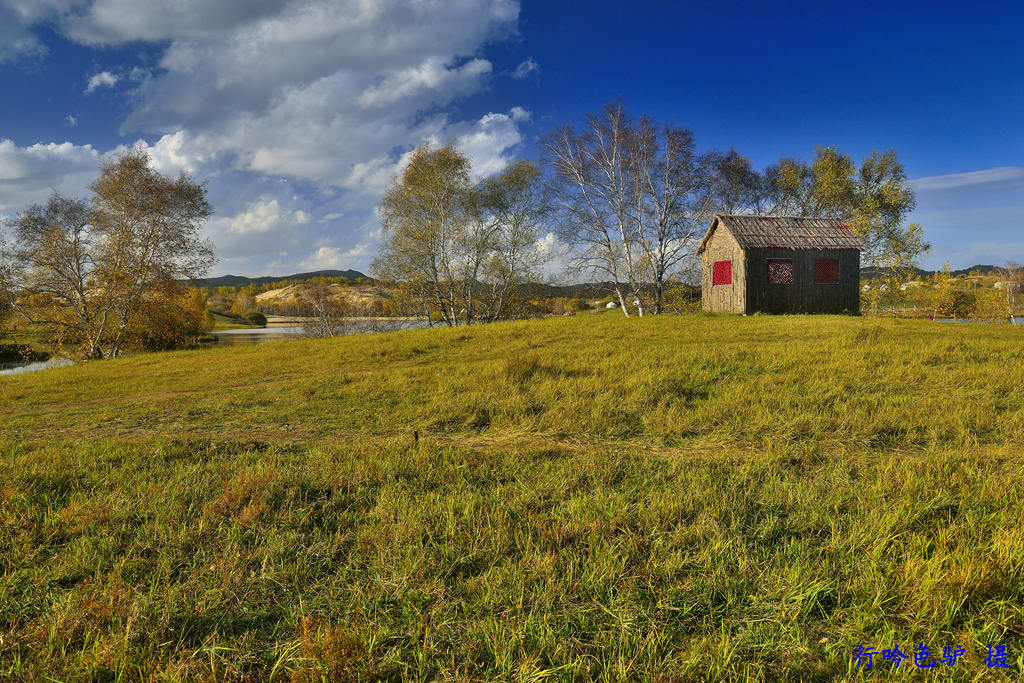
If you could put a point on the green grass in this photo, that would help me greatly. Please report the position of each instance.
(702, 498)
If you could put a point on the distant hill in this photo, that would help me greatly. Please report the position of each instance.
(584, 289)
(242, 281)
(983, 269)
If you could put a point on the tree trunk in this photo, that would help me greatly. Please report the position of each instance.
(622, 302)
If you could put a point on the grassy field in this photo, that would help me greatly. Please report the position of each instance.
(590, 498)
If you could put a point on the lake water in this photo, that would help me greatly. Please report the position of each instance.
(240, 337)
(261, 335)
(257, 335)
(17, 367)
(1020, 321)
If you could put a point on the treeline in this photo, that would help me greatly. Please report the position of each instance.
(104, 274)
(620, 199)
(261, 287)
(947, 295)
(240, 301)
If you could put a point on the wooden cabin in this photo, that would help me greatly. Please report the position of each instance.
(780, 264)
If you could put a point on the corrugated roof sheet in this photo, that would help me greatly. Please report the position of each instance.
(790, 232)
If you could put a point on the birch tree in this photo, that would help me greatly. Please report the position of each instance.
(56, 281)
(6, 296)
(672, 207)
(593, 195)
(631, 197)
(735, 186)
(84, 270)
(1013, 277)
(875, 199)
(457, 247)
(149, 224)
(424, 217)
(324, 310)
(513, 202)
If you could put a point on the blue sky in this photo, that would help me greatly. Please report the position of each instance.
(298, 112)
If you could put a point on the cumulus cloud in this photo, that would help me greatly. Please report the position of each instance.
(16, 20)
(335, 258)
(489, 141)
(111, 22)
(431, 76)
(29, 174)
(103, 79)
(324, 91)
(265, 216)
(322, 98)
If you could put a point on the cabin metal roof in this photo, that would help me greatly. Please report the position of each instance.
(788, 232)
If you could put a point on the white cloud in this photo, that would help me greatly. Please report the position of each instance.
(519, 114)
(71, 120)
(973, 217)
(110, 22)
(265, 216)
(324, 91)
(28, 174)
(103, 79)
(525, 68)
(952, 181)
(489, 141)
(273, 98)
(335, 258)
(16, 19)
(431, 76)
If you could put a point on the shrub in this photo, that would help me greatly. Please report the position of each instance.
(172, 318)
(954, 303)
(577, 304)
(991, 305)
(256, 318)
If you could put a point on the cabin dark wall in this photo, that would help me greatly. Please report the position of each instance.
(803, 296)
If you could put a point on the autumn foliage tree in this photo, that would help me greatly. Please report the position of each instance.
(91, 273)
(873, 198)
(454, 247)
(633, 197)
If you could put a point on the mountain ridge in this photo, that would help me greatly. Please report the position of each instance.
(242, 280)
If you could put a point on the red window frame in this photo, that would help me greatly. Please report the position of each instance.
(721, 273)
(826, 271)
(780, 271)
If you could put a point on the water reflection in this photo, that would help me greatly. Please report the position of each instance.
(1019, 321)
(17, 367)
(261, 335)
